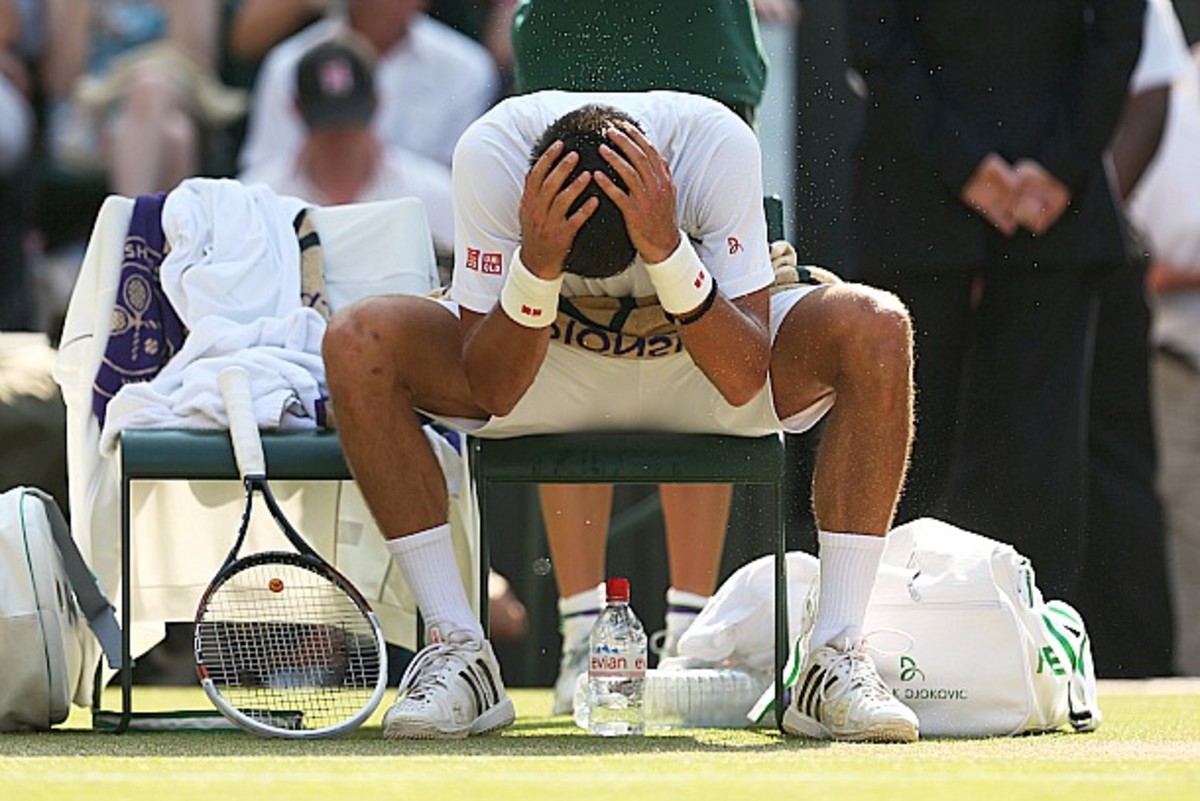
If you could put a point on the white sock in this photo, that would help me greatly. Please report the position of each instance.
(682, 610)
(576, 615)
(426, 560)
(849, 563)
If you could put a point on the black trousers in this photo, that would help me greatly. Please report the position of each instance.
(1003, 361)
(1124, 597)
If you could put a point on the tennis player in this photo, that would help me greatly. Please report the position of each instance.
(612, 271)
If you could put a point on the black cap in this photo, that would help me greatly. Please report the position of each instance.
(335, 85)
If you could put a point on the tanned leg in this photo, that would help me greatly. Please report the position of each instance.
(576, 518)
(696, 517)
(855, 342)
(383, 357)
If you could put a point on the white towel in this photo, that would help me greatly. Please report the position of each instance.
(234, 253)
(282, 355)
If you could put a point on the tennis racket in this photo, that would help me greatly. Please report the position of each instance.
(285, 645)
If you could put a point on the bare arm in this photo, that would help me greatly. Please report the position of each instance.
(1138, 133)
(258, 25)
(1164, 278)
(10, 23)
(730, 343)
(67, 46)
(12, 66)
(193, 26)
(500, 356)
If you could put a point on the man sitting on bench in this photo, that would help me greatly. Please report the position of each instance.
(623, 281)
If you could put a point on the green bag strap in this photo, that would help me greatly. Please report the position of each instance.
(101, 616)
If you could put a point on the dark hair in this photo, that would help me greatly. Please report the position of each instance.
(602, 247)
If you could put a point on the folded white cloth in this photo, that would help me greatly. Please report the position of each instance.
(282, 355)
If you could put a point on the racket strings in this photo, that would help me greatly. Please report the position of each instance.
(287, 646)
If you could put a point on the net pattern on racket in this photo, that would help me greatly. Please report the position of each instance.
(286, 646)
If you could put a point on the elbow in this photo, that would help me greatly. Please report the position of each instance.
(497, 400)
(744, 388)
(495, 404)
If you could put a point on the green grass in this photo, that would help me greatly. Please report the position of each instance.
(1148, 747)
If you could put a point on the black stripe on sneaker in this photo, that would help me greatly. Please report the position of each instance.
(486, 671)
(480, 704)
(805, 701)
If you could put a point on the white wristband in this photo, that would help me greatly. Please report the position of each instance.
(527, 299)
(681, 281)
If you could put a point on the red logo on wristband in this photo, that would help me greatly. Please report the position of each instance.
(734, 245)
(493, 264)
(699, 282)
(529, 311)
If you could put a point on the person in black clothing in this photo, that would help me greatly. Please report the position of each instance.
(979, 197)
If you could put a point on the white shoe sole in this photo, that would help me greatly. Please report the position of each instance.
(884, 731)
(499, 716)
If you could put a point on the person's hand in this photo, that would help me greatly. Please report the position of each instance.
(991, 191)
(782, 12)
(547, 230)
(648, 205)
(1040, 198)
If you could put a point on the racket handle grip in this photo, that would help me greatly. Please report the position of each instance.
(234, 383)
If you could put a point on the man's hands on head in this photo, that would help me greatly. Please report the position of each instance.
(648, 205)
(547, 229)
(1014, 196)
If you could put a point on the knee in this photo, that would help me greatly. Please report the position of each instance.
(876, 335)
(152, 94)
(355, 346)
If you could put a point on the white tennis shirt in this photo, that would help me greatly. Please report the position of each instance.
(714, 159)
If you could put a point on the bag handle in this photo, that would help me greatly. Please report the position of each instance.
(101, 616)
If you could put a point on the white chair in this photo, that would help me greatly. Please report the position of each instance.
(156, 521)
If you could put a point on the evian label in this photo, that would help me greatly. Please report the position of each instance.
(607, 664)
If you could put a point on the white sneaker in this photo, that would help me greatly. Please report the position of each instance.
(840, 696)
(574, 664)
(451, 689)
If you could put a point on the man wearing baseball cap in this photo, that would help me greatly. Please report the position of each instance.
(342, 158)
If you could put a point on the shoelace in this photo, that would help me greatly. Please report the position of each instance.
(430, 669)
(854, 669)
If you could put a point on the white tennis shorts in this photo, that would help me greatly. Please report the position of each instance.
(577, 390)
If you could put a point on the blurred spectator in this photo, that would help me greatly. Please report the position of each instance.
(1125, 594)
(17, 28)
(131, 89)
(255, 26)
(1165, 208)
(981, 199)
(488, 22)
(431, 81)
(342, 158)
(16, 113)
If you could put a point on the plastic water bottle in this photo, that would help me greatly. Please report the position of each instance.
(617, 666)
(689, 698)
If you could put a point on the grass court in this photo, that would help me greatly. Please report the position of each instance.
(1147, 747)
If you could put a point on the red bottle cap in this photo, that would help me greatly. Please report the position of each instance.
(617, 589)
